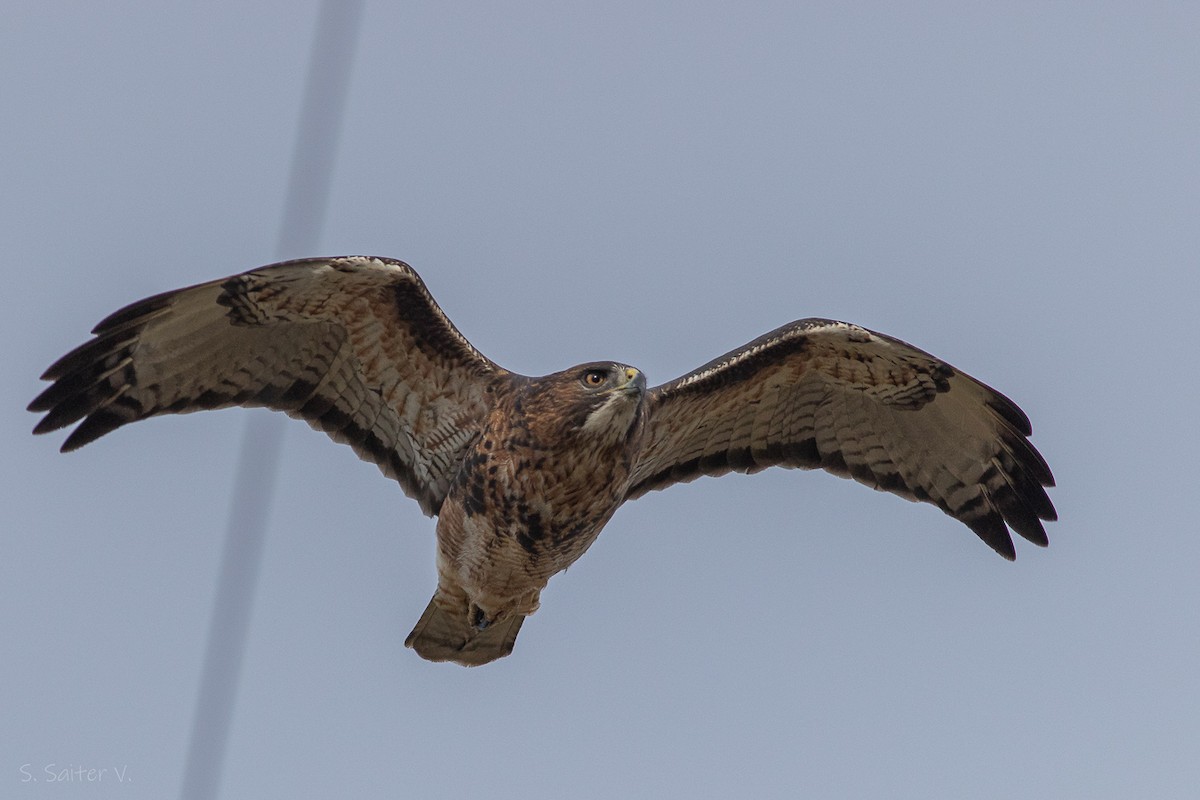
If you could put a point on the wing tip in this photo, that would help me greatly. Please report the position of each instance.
(995, 534)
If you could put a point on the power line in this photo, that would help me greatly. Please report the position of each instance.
(321, 113)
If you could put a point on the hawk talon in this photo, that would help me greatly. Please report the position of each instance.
(479, 620)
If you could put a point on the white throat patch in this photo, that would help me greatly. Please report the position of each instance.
(612, 418)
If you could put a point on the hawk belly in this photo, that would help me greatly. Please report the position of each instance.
(522, 508)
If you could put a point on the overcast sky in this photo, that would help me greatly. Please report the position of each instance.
(1013, 187)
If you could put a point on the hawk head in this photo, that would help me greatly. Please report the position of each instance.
(602, 400)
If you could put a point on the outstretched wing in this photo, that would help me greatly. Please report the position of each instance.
(820, 393)
(355, 346)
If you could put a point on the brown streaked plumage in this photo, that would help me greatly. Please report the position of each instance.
(523, 473)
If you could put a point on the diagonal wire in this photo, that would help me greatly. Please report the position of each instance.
(304, 211)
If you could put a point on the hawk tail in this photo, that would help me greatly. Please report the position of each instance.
(443, 633)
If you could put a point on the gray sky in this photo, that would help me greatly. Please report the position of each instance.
(1014, 190)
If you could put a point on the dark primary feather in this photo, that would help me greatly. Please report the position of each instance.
(355, 346)
(824, 394)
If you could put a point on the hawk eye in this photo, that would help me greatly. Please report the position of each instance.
(595, 377)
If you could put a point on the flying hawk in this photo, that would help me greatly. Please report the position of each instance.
(523, 472)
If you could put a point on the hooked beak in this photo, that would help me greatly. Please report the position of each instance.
(635, 381)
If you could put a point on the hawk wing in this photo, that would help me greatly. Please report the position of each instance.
(820, 393)
(355, 346)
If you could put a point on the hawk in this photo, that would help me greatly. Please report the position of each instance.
(523, 472)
